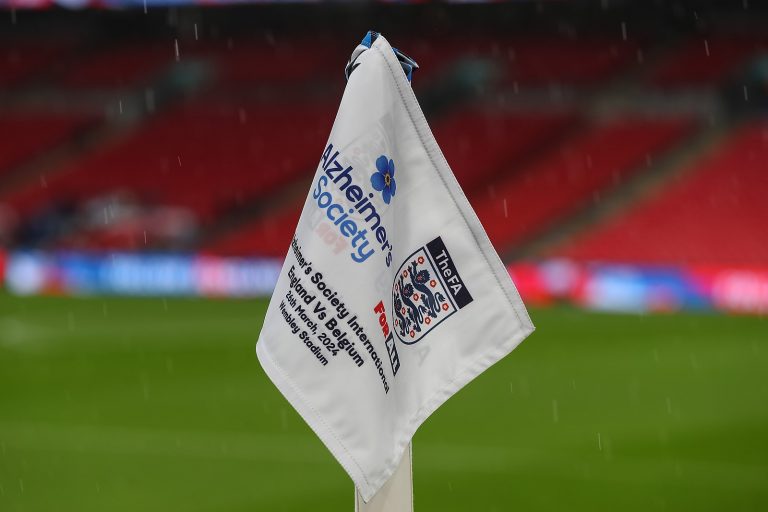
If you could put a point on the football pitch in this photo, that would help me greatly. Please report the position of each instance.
(160, 405)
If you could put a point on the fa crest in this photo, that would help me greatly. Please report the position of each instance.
(427, 290)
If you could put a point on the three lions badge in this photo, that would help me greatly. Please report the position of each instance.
(427, 290)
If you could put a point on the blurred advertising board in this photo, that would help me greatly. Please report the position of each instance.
(642, 288)
(598, 286)
(139, 274)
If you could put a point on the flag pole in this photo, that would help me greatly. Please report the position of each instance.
(396, 495)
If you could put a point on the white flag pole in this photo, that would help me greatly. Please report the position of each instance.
(396, 495)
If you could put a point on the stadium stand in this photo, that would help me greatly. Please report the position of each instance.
(531, 61)
(572, 175)
(29, 134)
(579, 62)
(287, 61)
(712, 215)
(268, 235)
(700, 62)
(200, 171)
(129, 64)
(479, 143)
(23, 60)
(207, 158)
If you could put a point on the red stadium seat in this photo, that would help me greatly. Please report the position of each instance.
(479, 144)
(571, 176)
(705, 62)
(26, 135)
(716, 214)
(20, 61)
(530, 61)
(127, 65)
(288, 61)
(581, 62)
(204, 157)
(270, 235)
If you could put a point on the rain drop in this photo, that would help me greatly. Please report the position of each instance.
(523, 385)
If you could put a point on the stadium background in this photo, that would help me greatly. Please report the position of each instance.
(153, 162)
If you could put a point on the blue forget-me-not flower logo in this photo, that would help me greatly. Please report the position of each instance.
(383, 179)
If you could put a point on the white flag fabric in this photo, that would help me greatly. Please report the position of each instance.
(391, 297)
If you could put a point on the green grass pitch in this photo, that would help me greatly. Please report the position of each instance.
(160, 405)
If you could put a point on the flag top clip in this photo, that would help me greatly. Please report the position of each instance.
(408, 64)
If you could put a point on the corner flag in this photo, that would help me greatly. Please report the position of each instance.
(391, 297)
